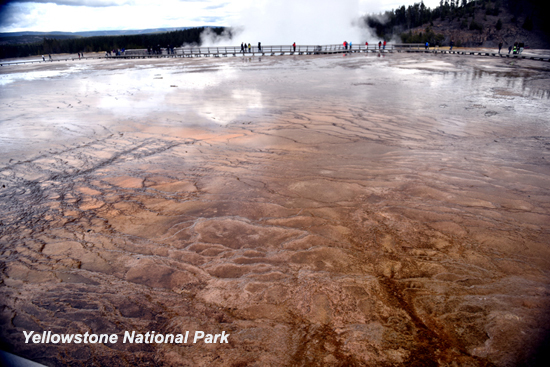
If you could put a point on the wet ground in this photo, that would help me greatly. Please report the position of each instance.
(357, 210)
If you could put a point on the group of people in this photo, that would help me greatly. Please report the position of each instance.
(246, 48)
(381, 45)
(157, 50)
(115, 52)
(516, 48)
(80, 55)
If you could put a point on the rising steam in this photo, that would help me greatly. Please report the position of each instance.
(306, 22)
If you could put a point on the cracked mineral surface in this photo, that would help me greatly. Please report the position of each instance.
(322, 210)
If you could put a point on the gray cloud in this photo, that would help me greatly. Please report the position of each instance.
(207, 19)
(9, 17)
(213, 7)
(90, 3)
(12, 16)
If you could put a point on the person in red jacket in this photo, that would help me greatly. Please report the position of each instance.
(294, 46)
(384, 45)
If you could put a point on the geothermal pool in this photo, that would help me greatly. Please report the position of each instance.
(321, 210)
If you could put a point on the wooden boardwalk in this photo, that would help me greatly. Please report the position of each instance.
(485, 53)
(314, 50)
(280, 50)
(231, 51)
(66, 58)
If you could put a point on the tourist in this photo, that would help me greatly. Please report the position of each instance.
(294, 46)
(43, 58)
(350, 45)
(452, 44)
(259, 47)
(366, 45)
(379, 45)
(427, 45)
(249, 47)
(521, 47)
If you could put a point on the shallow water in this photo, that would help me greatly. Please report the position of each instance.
(322, 210)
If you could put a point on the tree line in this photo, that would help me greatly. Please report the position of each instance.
(401, 20)
(106, 43)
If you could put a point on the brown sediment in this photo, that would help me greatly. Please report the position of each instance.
(322, 210)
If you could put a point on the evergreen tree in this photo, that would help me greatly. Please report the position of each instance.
(528, 24)
(106, 43)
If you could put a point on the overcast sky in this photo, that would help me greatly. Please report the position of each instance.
(90, 15)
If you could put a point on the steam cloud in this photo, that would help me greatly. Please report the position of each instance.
(211, 38)
(306, 22)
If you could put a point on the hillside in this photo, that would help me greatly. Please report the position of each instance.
(482, 23)
(485, 32)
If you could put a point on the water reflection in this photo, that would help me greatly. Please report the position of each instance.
(240, 102)
(139, 92)
(507, 82)
(40, 74)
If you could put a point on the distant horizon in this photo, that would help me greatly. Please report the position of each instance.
(165, 29)
(122, 15)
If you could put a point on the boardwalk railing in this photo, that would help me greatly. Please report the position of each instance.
(409, 46)
(217, 51)
(264, 50)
